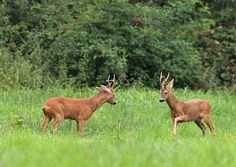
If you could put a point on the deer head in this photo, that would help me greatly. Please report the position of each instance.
(165, 87)
(109, 90)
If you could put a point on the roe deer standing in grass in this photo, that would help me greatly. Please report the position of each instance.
(80, 110)
(183, 111)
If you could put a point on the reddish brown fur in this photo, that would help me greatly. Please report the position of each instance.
(183, 111)
(80, 110)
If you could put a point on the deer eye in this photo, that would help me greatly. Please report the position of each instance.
(165, 93)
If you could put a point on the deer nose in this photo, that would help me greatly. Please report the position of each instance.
(114, 103)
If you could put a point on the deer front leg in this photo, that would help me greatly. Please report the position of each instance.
(179, 118)
(173, 124)
(81, 125)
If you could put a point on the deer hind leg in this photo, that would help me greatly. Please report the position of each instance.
(57, 121)
(201, 126)
(46, 120)
(208, 121)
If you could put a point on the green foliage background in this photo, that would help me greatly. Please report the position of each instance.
(78, 43)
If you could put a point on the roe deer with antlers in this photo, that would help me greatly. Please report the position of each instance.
(80, 110)
(183, 111)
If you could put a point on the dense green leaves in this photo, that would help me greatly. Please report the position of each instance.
(79, 43)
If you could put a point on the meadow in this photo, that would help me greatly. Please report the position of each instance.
(135, 132)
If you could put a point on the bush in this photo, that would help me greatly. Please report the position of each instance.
(80, 43)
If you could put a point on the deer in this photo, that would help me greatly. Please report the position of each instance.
(78, 109)
(185, 111)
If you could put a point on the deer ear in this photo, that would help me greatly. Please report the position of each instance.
(171, 83)
(103, 87)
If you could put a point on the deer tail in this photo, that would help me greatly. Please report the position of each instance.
(43, 108)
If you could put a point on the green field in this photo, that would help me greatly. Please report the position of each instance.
(135, 132)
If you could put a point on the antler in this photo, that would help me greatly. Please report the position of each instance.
(108, 81)
(111, 83)
(114, 83)
(167, 76)
(162, 78)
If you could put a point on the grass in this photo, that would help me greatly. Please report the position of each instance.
(135, 132)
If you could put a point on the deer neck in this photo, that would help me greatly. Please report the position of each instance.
(97, 100)
(172, 100)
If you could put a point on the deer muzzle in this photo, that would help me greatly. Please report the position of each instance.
(161, 100)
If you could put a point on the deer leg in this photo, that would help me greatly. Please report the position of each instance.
(173, 124)
(201, 126)
(77, 125)
(81, 126)
(179, 118)
(207, 119)
(57, 121)
(46, 120)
